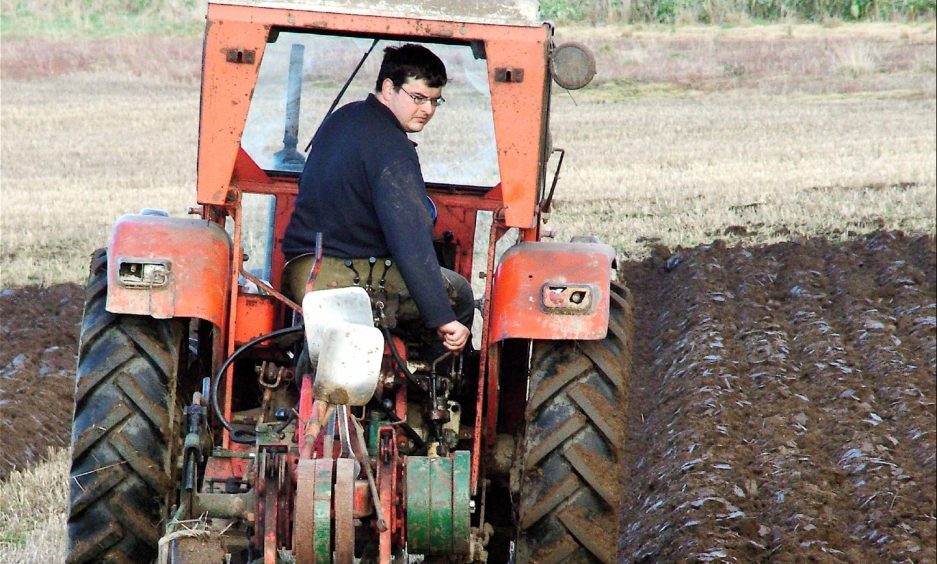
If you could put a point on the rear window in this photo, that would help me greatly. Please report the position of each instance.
(457, 147)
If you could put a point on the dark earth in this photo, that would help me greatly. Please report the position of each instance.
(782, 405)
(38, 355)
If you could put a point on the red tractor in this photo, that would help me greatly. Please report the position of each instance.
(218, 421)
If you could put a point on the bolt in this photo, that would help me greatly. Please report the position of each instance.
(472, 506)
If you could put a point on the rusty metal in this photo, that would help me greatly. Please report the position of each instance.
(261, 489)
(509, 74)
(316, 265)
(225, 505)
(303, 517)
(546, 204)
(387, 487)
(305, 412)
(364, 499)
(271, 375)
(344, 507)
(487, 377)
(493, 393)
(375, 494)
(269, 289)
(271, 509)
(285, 493)
(240, 56)
(313, 428)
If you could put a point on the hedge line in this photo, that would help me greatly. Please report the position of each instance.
(734, 11)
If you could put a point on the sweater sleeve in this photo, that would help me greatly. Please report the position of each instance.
(398, 198)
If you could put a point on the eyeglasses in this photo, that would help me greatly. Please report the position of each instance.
(420, 99)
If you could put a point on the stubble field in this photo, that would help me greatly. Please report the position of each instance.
(783, 395)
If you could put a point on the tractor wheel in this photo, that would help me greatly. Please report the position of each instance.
(125, 425)
(568, 487)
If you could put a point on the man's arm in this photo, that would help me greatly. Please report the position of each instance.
(398, 201)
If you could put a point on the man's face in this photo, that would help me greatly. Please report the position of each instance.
(412, 116)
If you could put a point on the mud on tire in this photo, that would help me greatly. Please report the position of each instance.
(124, 424)
(568, 490)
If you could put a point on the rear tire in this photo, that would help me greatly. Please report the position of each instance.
(125, 424)
(567, 492)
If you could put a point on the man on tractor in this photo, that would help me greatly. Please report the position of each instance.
(362, 188)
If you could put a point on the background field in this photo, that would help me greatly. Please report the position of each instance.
(751, 134)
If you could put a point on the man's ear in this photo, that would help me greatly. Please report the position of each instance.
(387, 88)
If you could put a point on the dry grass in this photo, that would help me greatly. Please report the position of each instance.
(751, 133)
(163, 59)
(700, 133)
(690, 169)
(768, 60)
(32, 512)
(80, 150)
(745, 133)
(80, 18)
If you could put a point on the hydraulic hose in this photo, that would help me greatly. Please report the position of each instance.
(400, 363)
(410, 432)
(418, 441)
(242, 436)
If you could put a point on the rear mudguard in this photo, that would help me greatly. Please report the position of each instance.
(168, 267)
(552, 291)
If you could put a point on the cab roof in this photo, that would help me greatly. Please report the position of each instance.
(503, 12)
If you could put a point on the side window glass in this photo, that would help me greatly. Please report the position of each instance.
(257, 214)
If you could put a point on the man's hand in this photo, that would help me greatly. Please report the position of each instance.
(454, 335)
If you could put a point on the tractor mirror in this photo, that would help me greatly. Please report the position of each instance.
(573, 65)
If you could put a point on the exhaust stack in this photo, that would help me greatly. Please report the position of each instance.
(289, 158)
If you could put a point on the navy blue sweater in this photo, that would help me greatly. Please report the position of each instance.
(362, 187)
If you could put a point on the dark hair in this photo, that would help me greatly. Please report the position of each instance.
(411, 61)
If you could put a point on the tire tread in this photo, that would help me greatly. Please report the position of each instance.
(125, 392)
(568, 486)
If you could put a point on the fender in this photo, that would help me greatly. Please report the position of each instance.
(168, 267)
(552, 291)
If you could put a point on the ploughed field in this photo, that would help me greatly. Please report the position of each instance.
(782, 404)
(39, 335)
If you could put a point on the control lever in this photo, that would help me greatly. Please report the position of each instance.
(383, 280)
(350, 264)
(371, 262)
(344, 437)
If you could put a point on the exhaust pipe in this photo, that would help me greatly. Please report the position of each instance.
(289, 158)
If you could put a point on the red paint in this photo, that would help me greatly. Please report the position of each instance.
(517, 308)
(197, 254)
